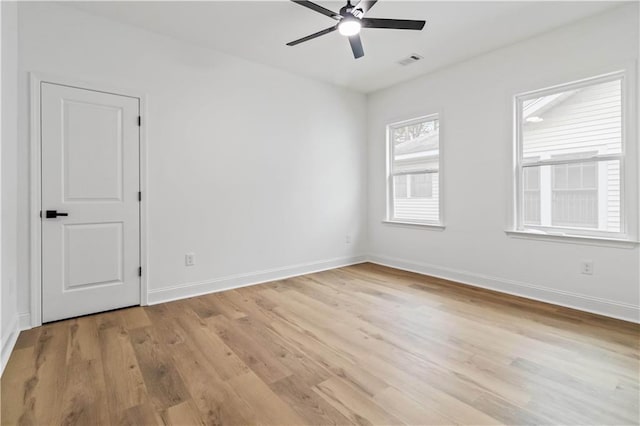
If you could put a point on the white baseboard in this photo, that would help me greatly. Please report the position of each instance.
(609, 308)
(183, 291)
(9, 343)
(24, 321)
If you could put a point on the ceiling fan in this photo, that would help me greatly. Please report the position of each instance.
(351, 19)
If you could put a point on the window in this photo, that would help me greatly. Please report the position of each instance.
(574, 195)
(570, 158)
(413, 186)
(531, 199)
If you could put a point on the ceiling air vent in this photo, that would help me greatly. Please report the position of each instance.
(410, 59)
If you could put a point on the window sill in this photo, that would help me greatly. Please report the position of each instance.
(573, 239)
(431, 226)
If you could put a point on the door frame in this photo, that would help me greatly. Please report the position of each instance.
(35, 161)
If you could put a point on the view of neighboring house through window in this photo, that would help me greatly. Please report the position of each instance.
(570, 151)
(414, 166)
(531, 199)
(574, 195)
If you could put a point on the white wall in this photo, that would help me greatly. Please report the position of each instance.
(255, 170)
(9, 316)
(476, 98)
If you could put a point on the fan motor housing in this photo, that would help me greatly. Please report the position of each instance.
(350, 10)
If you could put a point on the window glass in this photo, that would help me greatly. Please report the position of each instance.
(414, 152)
(570, 151)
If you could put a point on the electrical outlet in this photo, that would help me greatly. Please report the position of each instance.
(347, 239)
(190, 259)
(586, 267)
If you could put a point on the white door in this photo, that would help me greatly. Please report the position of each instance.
(90, 208)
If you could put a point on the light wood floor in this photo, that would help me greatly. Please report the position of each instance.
(357, 345)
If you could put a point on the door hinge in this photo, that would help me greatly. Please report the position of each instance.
(139, 195)
(139, 271)
(139, 121)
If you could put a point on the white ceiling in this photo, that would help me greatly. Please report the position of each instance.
(258, 31)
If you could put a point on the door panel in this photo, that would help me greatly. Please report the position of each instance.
(85, 242)
(92, 139)
(90, 170)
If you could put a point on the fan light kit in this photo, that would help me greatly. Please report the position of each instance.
(349, 26)
(351, 20)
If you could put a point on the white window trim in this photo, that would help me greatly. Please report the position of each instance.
(410, 224)
(389, 218)
(628, 234)
(574, 239)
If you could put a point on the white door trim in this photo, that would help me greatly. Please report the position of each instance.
(35, 247)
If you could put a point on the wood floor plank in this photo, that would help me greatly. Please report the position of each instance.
(269, 408)
(216, 401)
(225, 362)
(256, 306)
(124, 381)
(143, 414)
(363, 344)
(16, 382)
(42, 397)
(27, 338)
(299, 363)
(83, 343)
(451, 395)
(135, 317)
(223, 305)
(408, 410)
(84, 401)
(109, 319)
(308, 404)
(162, 381)
(353, 404)
(202, 308)
(185, 413)
(337, 363)
(163, 318)
(255, 355)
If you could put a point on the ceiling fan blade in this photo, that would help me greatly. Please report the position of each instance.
(356, 46)
(312, 36)
(396, 24)
(318, 8)
(364, 6)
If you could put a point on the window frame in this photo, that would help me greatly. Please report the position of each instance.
(390, 216)
(627, 162)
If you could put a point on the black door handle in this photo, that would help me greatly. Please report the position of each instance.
(52, 214)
